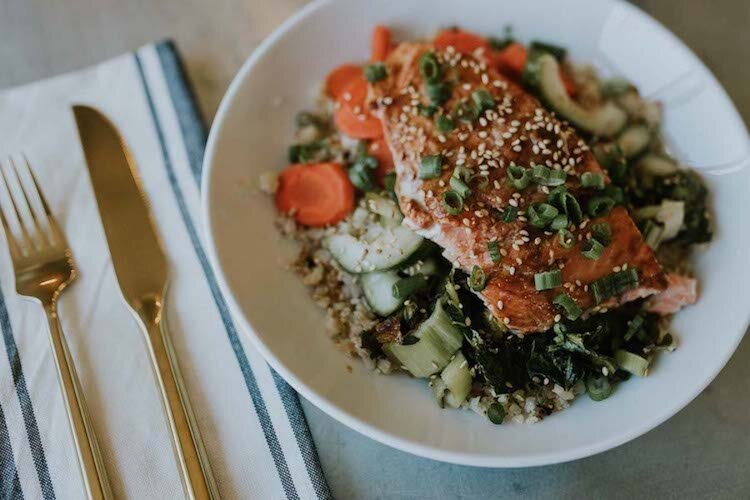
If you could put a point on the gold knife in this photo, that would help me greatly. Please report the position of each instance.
(141, 269)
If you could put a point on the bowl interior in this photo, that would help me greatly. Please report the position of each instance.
(255, 125)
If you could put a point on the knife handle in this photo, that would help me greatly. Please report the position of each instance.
(192, 460)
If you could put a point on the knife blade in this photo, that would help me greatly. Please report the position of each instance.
(142, 273)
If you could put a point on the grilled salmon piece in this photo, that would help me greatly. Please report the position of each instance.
(516, 130)
(681, 291)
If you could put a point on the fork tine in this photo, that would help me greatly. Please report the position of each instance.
(15, 252)
(28, 200)
(22, 226)
(50, 220)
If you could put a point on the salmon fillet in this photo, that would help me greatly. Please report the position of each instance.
(517, 130)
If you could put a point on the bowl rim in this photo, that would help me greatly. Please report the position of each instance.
(351, 421)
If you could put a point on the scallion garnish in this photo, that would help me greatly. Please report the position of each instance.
(567, 240)
(541, 214)
(546, 176)
(509, 214)
(405, 287)
(572, 310)
(429, 67)
(559, 222)
(518, 177)
(427, 110)
(631, 363)
(361, 176)
(460, 187)
(494, 251)
(592, 249)
(452, 202)
(614, 284)
(599, 206)
(375, 72)
(635, 324)
(482, 100)
(477, 279)
(444, 124)
(566, 203)
(465, 111)
(438, 93)
(592, 180)
(430, 166)
(602, 232)
(652, 233)
(598, 387)
(548, 280)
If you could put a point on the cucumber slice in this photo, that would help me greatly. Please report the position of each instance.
(378, 290)
(605, 121)
(379, 249)
(457, 378)
(438, 340)
(634, 140)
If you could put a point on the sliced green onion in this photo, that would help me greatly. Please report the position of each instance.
(452, 202)
(566, 203)
(375, 72)
(567, 240)
(652, 233)
(559, 222)
(482, 100)
(494, 251)
(509, 214)
(460, 187)
(592, 180)
(631, 363)
(598, 387)
(362, 177)
(444, 124)
(406, 287)
(430, 166)
(477, 279)
(546, 176)
(635, 324)
(592, 249)
(548, 280)
(496, 413)
(614, 284)
(572, 310)
(438, 93)
(429, 67)
(518, 177)
(599, 206)
(541, 214)
(465, 111)
(427, 110)
(603, 232)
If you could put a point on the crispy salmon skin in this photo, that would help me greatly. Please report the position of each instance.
(516, 130)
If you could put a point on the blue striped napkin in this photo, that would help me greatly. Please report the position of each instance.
(251, 420)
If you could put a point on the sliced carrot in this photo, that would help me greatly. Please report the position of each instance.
(315, 195)
(352, 118)
(380, 150)
(381, 43)
(511, 60)
(339, 78)
(463, 41)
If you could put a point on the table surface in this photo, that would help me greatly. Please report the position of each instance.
(700, 453)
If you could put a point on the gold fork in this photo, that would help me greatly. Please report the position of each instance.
(43, 265)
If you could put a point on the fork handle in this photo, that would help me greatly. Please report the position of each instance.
(192, 459)
(89, 455)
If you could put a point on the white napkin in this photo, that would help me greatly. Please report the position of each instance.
(251, 420)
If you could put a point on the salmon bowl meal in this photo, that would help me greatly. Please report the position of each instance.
(494, 218)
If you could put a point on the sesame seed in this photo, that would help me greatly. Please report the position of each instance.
(500, 305)
(557, 318)
(506, 320)
(512, 270)
(616, 269)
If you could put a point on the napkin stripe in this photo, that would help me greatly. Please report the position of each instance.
(250, 381)
(193, 133)
(27, 409)
(10, 485)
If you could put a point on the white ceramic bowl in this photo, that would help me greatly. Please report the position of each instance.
(250, 135)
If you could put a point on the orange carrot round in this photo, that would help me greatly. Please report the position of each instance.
(380, 43)
(315, 195)
(463, 41)
(338, 79)
(380, 150)
(511, 60)
(352, 118)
